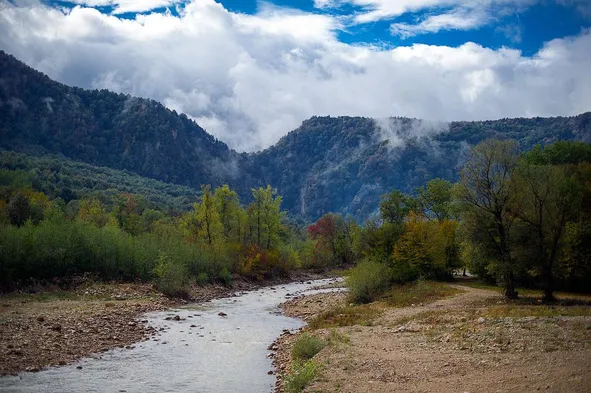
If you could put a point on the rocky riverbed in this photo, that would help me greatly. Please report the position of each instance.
(57, 328)
(220, 346)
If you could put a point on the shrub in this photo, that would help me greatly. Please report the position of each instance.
(172, 277)
(202, 278)
(225, 276)
(306, 346)
(368, 280)
(303, 373)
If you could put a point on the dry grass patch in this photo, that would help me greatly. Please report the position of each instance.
(351, 315)
(519, 311)
(418, 292)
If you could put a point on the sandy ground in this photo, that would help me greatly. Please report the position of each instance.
(458, 344)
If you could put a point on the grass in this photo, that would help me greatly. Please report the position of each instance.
(417, 292)
(523, 292)
(351, 315)
(306, 346)
(41, 297)
(398, 296)
(303, 373)
(336, 339)
(518, 311)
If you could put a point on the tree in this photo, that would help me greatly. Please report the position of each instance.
(207, 218)
(333, 234)
(230, 212)
(486, 192)
(395, 206)
(92, 210)
(434, 200)
(18, 209)
(547, 198)
(265, 216)
(426, 249)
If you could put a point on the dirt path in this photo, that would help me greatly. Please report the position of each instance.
(459, 344)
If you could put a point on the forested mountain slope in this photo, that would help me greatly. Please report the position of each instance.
(107, 129)
(344, 164)
(338, 164)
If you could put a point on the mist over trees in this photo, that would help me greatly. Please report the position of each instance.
(328, 164)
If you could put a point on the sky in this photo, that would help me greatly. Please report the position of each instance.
(250, 71)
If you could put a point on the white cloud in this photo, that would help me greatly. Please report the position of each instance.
(123, 6)
(441, 14)
(249, 79)
(456, 19)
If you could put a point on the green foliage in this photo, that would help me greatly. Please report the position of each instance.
(368, 280)
(487, 196)
(265, 217)
(435, 200)
(395, 206)
(427, 249)
(302, 374)
(225, 276)
(172, 278)
(306, 347)
(559, 153)
(59, 177)
(19, 209)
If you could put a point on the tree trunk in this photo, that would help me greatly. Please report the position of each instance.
(510, 292)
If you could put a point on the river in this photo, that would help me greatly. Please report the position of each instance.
(218, 354)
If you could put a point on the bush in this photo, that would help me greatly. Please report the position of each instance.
(301, 376)
(172, 278)
(368, 280)
(306, 346)
(202, 278)
(225, 276)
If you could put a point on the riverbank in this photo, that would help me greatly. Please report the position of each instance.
(54, 328)
(471, 341)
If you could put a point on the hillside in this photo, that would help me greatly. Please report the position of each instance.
(107, 129)
(345, 164)
(58, 177)
(338, 164)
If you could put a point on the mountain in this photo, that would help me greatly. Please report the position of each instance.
(345, 164)
(107, 129)
(340, 164)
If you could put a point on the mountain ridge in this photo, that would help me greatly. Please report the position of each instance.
(340, 164)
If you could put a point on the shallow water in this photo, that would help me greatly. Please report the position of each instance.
(220, 354)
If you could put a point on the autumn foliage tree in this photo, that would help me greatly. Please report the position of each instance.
(333, 240)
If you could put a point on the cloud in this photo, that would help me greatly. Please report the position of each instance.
(457, 19)
(123, 6)
(583, 6)
(249, 79)
(435, 15)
